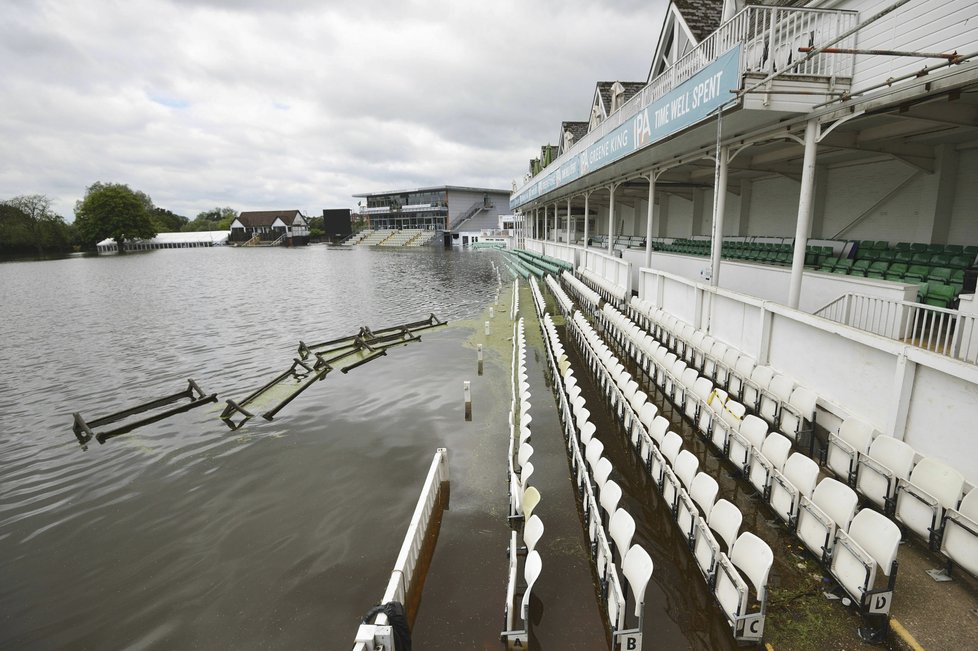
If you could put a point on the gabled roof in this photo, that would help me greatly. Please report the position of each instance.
(267, 217)
(577, 130)
(604, 92)
(701, 16)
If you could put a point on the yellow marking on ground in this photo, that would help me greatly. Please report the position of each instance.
(905, 635)
(768, 646)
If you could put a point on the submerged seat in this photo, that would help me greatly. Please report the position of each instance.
(921, 500)
(888, 461)
(788, 486)
(853, 439)
(724, 519)
(869, 545)
(767, 460)
(752, 433)
(701, 496)
(752, 558)
(960, 540)
(831, 507)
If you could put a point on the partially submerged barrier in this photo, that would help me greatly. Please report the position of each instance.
(344, 354)
(405, 584)
(83, 428)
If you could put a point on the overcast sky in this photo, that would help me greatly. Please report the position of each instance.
(260, 104)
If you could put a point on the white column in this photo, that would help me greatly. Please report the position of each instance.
(611, 219)
(546, 224)
(805, 199)
(587, 196)
(719, 206)
(568, 222)
(648, 220)
(556, 223)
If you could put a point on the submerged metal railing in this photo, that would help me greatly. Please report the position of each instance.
(940, 330)
(377, 635)
(771, 37)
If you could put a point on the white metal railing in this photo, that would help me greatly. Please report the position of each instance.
(402, 578)
(937, 329)
(771, 37)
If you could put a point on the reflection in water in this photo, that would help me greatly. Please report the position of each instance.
(183, 533)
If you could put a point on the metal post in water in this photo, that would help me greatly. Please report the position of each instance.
(480, 359)
(492, 312)
(487, 328)
(467, 393)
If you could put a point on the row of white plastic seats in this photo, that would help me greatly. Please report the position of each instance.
(565, 302)
(773, 396)
(926, 495)
(538, 302)
(523, 497)
(689, 494)
(600, 493)
(787, 482)
(921, 493)
(515, 309)
(582, 291)
(609, 290)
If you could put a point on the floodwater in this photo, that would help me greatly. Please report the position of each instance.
(186, 534)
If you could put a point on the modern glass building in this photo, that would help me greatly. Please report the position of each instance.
(436, 208)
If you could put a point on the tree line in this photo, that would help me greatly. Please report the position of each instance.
(29, 226)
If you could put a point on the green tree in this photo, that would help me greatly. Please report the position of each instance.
(165, 221)
(27, 223)
(114, 210)
(215, 219)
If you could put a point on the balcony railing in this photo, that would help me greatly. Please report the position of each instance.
(937, 329)
(770, 37)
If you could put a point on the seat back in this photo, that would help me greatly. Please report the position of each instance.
(622, 528)
(754, 558)
(894, 456)
(637, 568)
(602, 470)
(776, 449)
(532, 531)
(802, 402)
(587, 433)
(685, 467)
(878, 535)
(531, 572)
(725, 519)
(610, 496)
(658, 429)
(703, 491)
(921, 501)
(531, 497)
(960, 540)
(592, 453)
(670, 447)
(853, 438)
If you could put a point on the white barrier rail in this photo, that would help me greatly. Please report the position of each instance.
(948, 332)
(378, 636)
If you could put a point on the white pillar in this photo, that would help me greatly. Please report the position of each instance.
(611, 219)
(556, 225)
(648, 220)
(719, 206)
(568, 222)
(805, 199)
(587, 196)
(545, 224)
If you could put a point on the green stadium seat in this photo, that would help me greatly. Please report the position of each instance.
(896, 271)
(921, 258)
(867, 244)
(960, 261)
(957, 280)
(935, 248)
(916, 273)
(861, 267)
(953, 249)
(971, 251)
(877, 269)
(940, 275)
(888, 255)
(904, 256)
(903, 246)
(918, 247)
(828, 264)
(941, 260)
(882, 244)
(939, 295)
(783, 258)
(843, 266)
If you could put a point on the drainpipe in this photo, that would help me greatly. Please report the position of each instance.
(611, 220)
(805, 200)
(556, 218)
